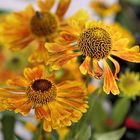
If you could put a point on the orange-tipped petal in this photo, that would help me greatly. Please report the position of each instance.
(63, 5)
(117, 66)
(110, 84)
(34, 73)
(132, 55)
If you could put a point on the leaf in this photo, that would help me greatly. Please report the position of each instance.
(135, 2)
(113, 135)
(8, 124)
(119, 111)
(84, 133)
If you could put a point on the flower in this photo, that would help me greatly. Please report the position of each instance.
(20, 29)
(98, 42)
(30, 126)
(102, 9)
(57, 105)
(129, 84)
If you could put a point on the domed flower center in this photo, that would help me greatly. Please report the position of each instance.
(41, 91)
(41, 85)
(43, 24)
(95, 43)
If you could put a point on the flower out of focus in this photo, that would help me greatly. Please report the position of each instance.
(129, 84)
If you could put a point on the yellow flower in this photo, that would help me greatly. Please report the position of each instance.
(98, 42)
(129, 84)
(58, 105)
(62, 132)
(20, 29)
(103, 9)
(30, 126)
(124, 32)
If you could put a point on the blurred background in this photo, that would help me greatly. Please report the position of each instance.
(109, 117)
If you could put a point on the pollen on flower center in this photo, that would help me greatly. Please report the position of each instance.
(41, 91)
(43, 24)
(95, 43)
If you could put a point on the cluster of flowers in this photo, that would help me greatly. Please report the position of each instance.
(59, 42)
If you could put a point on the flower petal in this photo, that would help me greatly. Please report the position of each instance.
(34, 73)
(63, 5)
(109, 80)
(132, 55)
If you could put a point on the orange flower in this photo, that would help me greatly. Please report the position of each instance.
(57, 105)
(98, 42)
(25, 27)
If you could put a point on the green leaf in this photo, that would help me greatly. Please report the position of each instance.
(135, 2)
(119, 111)
(113, 135)
(84, 133)
(8, 124)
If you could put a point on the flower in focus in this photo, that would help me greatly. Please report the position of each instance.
(129, 84)
(98, 42)
(25, 27)
(58, 105)
(102, 9)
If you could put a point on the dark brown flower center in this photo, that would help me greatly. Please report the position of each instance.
(43, 24)
(41, 85)
(95, 43)
(41, 92)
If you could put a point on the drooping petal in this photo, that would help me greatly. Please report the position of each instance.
(117, 67)
(110, 84)
(85, 67)
(63, 5)
(132, 55)
(98, 71)
(34, 73)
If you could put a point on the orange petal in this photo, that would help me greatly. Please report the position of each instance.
(47, 126)
(18, 81)
(45, 5)
(34, 73)
(109, 80)
(63, 5)
(11, 100)
(117, 67)
(98, 72)
(85, 67)
(132, 55)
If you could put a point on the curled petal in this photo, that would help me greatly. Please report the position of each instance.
(85, 67)
(117, 66)
(110, 84)
(98, 72)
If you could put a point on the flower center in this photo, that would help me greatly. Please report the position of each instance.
(43, 24)
(41, 91)
(95, 43)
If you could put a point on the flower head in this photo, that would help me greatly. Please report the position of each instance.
(58, 105)
(22, 28)
(97, 41)
(129, 84)
(102, 9)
